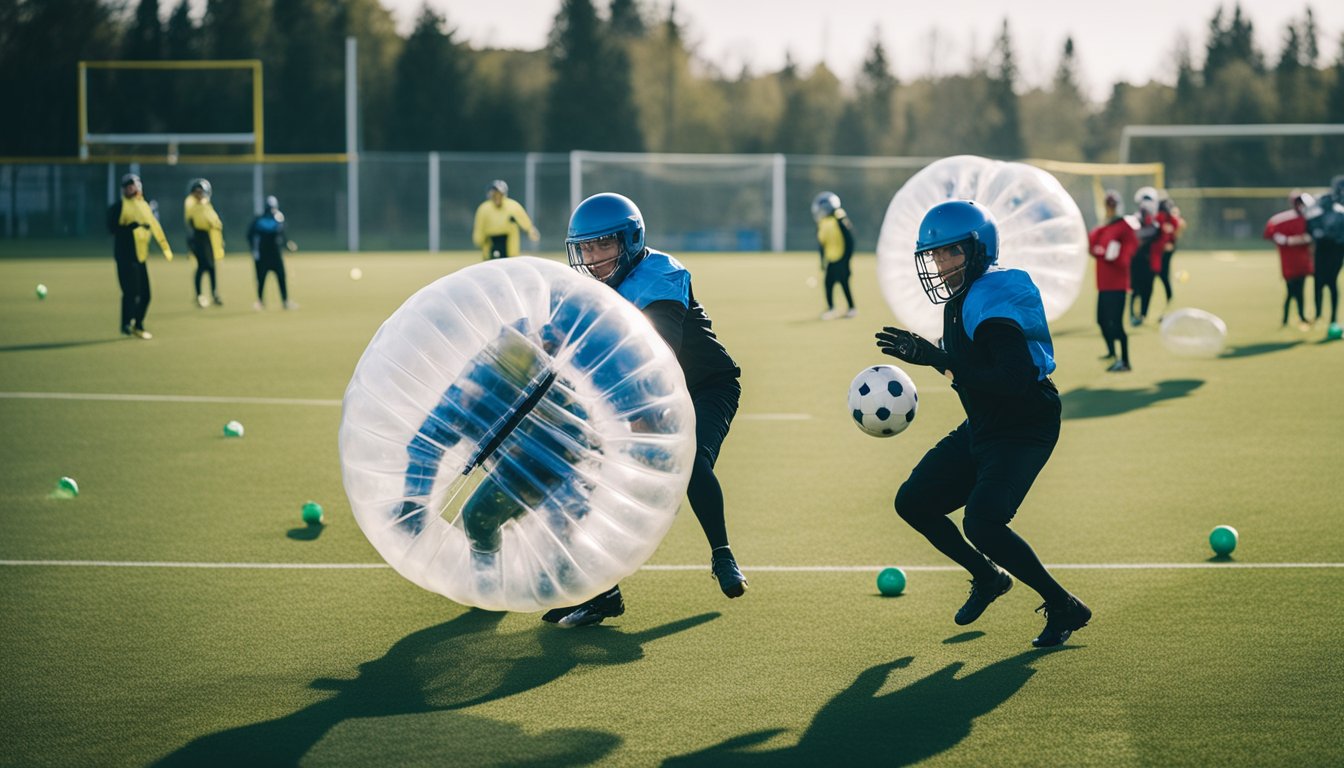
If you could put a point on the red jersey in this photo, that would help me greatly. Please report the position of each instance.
(1169, 225)
(1113, 245)
(1288, 230)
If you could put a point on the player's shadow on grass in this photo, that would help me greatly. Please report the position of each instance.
(1251, 350)
(449, 666)
(916, 722)
(1088, 403)
(61, 344)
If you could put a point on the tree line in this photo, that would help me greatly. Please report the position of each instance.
(617, 77)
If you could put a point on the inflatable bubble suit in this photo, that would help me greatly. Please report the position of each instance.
(516, 437)
(1041, 231)
(1193, 333)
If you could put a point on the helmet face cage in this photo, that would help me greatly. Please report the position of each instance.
(621, 256)
(132, 179)
(498, 185)
(200, 184)
(943, 286)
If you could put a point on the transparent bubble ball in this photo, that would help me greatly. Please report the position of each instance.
(1041, 231)
(1193, 332)
(516, 437)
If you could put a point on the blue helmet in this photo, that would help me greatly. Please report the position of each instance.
(603, 216)
(966, 227)
(824, 204)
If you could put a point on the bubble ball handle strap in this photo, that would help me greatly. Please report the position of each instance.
(515, 418)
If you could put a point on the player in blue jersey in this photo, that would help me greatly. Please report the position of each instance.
(997, 351)
(605, 241)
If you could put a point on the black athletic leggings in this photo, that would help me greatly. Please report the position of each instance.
(1296, 291)
(205, 260)
(837, 273)
(265, 265)
(1329, 257)
(133, 276)
(1111, 318)
(1164, 274)
(715, 406)
(1140, 283)
(990, 481)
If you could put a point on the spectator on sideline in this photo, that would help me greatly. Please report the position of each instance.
(205, 234)
(132, 223)
(835, 243)
(498, 221)
(1113, 245)
(266, 234)
(1325, 223)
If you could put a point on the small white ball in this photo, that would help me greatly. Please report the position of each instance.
(356, 273)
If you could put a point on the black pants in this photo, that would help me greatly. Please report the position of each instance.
(1111, 319)
(1140, 284)
(837, 273)
(499, 246)
(267, 264)
(1164, 274)
(205, 260)
(1329, 257)
(133, 276)
(1296, 291)
(715, 406)
(990, 480)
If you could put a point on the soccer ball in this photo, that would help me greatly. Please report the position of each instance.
(883, 400)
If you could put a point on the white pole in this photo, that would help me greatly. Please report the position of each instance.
(530, 187)
(433, 202)
(111, 183)
(351, 147)
(778, 214)
(258, 196)
(575, 179)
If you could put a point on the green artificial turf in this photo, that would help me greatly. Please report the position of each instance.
(119, 664)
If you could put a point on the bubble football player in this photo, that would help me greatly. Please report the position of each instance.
(1288, 231)
(1325, 222)
(132, 223)
(1140, 267)
(997, 351)
(205, 234)
(1170, 224)
(606, 242)
(835, 243)
(266, 234)
(1113, 244)
(498, 221)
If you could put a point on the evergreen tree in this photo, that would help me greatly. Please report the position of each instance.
(1231, 42)
(1002, 136)
(181, 40)
(589, 104)
(429, 95)
(866, 126)
(144, 38)
(305, 94)
(627, 20)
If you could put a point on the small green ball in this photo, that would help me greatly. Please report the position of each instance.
(891, 581)
(312, 513)
(233, 429)
(41, 291)
(67, 487)
(1335, 332)
(1223, 539)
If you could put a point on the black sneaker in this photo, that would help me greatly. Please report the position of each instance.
(554, 615)
(731, 581)
(984, 592)
(607, 605)
(1061, 621)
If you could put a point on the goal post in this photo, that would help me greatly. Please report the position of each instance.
(1087, 183)
(173, 139)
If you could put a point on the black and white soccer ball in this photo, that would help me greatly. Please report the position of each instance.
(883, 400)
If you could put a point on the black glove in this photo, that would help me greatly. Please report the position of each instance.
(910, 347)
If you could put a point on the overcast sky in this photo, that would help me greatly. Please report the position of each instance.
(1130, 40)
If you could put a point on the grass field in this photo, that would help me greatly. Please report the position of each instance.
(178, 612)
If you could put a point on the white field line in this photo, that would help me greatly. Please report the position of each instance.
(275, 401)
(697, 567)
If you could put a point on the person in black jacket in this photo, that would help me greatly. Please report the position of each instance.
(997, 351)
(269, 242)
(132, 223)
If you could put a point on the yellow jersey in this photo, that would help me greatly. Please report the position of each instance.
(492, 220)
(135, 212)
(201, 217)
